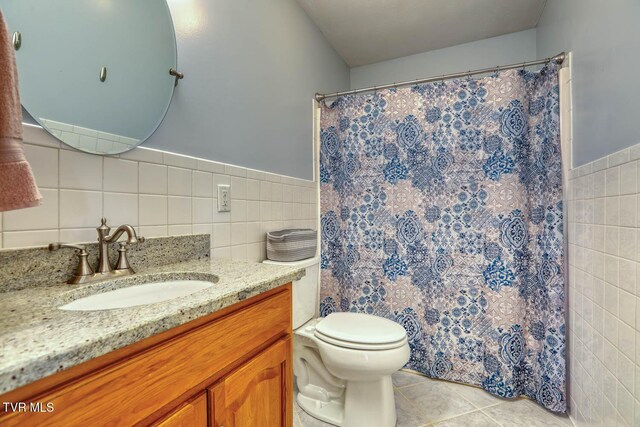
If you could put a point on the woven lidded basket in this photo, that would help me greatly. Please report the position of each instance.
(291, 245)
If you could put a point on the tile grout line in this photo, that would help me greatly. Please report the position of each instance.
(416, 408)
(58, 192)
(482, 410)
(476, 409)
(489, 416)
(460, 415)
(138, 197)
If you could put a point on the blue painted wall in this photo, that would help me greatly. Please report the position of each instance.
(251, 70)
(507, 49)
(604, 38)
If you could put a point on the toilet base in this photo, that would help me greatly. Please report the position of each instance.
(331, 412)
(359, 412)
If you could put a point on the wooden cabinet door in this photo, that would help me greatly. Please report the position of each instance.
(191, 414)
(259, 393)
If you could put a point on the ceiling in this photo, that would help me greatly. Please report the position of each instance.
(368, 31)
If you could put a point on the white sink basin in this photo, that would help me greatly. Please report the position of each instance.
(135, 295)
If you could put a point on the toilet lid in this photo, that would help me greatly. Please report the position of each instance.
(359, 328)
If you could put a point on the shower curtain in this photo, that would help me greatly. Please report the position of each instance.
(441, 209)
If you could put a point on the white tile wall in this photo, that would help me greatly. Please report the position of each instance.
(604, 290)
(120, 175)
(157, 192)
(152, 178)
(90, 139)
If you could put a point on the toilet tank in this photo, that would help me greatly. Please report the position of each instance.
(305, 290)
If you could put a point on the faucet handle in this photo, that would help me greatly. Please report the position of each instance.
(83, 270)
(123, 261)
(59, 245)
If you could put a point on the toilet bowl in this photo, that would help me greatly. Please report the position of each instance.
(343, 363)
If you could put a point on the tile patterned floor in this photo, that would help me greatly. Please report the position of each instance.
(421, 401)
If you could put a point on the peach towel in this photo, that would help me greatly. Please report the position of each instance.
(18, 188)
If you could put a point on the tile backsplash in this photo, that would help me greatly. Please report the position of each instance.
(159, 193)
(604, 292)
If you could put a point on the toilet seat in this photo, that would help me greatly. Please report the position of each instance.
(359, 346)
(360, 332)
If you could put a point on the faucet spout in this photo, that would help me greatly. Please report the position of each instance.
(132, 237)
(104, 239)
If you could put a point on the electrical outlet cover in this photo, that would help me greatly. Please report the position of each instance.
(224, 198)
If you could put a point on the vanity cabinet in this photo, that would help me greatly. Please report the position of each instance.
(230, 368)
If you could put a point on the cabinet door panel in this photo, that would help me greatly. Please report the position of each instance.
(192, 414)
(258, 393)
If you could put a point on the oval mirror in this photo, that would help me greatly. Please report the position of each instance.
(95, 74)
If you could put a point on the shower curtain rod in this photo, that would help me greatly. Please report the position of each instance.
(559, 58)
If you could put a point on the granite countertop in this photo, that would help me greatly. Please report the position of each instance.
(38, 339)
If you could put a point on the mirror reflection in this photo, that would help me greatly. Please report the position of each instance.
(95, 74)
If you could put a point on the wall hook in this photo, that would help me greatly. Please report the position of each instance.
(178, 75)
(17, 40)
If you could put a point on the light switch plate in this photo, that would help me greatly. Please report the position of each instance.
(224, 198)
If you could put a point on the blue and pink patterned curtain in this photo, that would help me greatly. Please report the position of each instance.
(442, 210)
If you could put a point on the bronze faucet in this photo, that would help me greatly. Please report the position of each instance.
(104, 266)
(84, 273)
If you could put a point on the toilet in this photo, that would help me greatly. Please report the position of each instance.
(343, 362)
